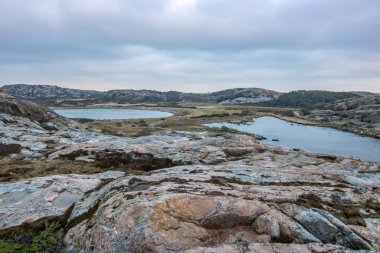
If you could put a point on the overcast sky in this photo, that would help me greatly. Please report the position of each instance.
(191, 45)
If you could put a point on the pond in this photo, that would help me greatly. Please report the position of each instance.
(110, 113)
(311, 138)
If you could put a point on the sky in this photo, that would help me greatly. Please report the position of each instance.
(192, 45)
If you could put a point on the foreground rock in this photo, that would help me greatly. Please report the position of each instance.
(234, 207)
(38, 200)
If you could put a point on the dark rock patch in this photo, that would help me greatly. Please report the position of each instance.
(8, 149)
(131, 161)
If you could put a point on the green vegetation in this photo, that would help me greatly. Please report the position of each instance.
(124, 206)
(308, 99)
(48, 240)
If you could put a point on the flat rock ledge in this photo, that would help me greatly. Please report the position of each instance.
(38, 200)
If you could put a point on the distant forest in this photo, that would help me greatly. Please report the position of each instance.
(308, 99)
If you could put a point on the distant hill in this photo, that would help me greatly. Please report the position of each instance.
(55, 95)
(58, 96)
(309, 99)
(35, 92)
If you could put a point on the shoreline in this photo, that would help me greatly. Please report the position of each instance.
(308, 122)
(181, 111)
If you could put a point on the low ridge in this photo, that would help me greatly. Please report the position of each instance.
(47, 93)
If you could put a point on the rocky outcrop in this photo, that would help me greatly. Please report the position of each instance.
(235, 206)
(243, 96)
(359, 115)
(364, 109)
(363, 102)
(46, 117)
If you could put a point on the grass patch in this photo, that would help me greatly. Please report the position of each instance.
(184, 119)
(48, 240)
(12, 169)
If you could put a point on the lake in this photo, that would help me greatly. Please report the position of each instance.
(110, 113)
(311, 138)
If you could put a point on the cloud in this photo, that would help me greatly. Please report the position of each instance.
(180, 44)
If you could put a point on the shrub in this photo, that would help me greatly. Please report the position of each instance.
(305, 111)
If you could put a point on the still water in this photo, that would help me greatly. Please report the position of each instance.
(110, 113)
(311, 138)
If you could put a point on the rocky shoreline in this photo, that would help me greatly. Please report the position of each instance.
(373, 133)
(183, 191)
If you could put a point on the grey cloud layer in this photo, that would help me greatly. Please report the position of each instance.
(181, 44)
